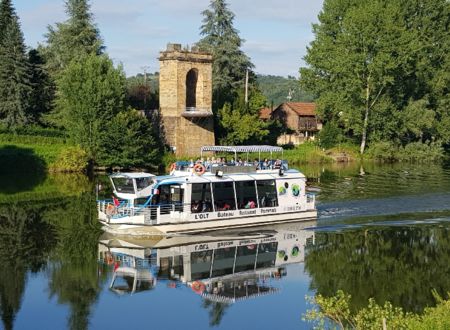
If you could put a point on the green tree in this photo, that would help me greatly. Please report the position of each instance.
(43, 92)
(230, 63)
(75, 37)
(240, 122)
(129, 140)
(370, 63)
(15, 87)
(90, 93)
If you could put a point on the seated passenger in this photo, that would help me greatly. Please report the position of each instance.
(250, 205)
(196, 207)
(207, 206)
(277, 164)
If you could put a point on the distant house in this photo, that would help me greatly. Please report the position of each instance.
(299, 117)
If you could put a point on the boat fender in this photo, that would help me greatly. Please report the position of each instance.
(199, 169)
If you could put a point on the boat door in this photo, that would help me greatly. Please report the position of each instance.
(170, 198)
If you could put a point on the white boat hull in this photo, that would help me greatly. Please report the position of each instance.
(206, 225)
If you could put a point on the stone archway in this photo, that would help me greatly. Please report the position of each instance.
(191, 88)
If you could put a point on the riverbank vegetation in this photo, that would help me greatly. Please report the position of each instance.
(335, 311)
(381, 75)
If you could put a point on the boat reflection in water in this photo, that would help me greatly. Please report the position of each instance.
(224, 266)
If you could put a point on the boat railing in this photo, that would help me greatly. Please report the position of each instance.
(230, 167)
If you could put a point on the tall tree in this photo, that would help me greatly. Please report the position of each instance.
(90, 93)
(75, 37)
(371, 64)
(222, 39)
(15, 85)
(43, 92)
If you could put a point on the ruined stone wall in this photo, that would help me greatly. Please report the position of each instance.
(187, 135)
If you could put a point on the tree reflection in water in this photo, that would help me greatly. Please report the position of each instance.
(54, 234)
(401, 264)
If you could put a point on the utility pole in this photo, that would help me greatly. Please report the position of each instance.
(145, 68)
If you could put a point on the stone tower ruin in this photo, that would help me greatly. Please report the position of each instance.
(185, 98)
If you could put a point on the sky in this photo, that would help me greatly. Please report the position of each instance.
(276, 32)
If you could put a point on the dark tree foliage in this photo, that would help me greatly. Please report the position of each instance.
(43, 92)
(129, 140)
(15, 85)
(75, 37)
(143, 91)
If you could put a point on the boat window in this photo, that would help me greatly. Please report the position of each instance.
(142, 183)
(246, 194)
(201, 264)
(124, 185)
(224, 196)
(201, 198)
(267, 193)
(245, 258)
(223, 261)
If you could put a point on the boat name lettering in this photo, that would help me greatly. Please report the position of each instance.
(247, 212)
(201, 247)
(247, 241)
(224, 244)
(271, 239)
(225, 214)
(274, 210)
(289, 236)
(201, 216)
(293, 208)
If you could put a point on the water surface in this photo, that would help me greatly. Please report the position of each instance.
(383, 232)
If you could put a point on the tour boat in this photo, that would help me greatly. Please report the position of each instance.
(224, 266)
(208, 195)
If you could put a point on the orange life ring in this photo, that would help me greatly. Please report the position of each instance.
(198, 287)
(199, 169)
(173, 167)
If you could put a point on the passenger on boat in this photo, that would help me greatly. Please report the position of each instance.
(265, 164)
(277, 164)
(191, 163)
(196, 207)
(250, 205)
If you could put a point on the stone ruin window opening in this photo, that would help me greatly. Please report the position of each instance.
(191, 89)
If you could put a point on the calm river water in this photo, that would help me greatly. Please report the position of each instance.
(383, 231)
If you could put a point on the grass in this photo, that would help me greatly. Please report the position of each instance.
(19, 150)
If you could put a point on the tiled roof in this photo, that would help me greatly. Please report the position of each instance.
(265, 113)
(301, 108)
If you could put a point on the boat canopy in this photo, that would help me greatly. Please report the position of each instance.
(235, 149)
(130, 175)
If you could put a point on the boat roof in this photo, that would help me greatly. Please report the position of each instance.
(131, 175)
(254, 148)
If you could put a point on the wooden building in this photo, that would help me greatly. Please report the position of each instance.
(298, 117)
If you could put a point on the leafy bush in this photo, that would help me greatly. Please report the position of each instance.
(71, 159)
(413, 152)
(337, 310)
(330, 135)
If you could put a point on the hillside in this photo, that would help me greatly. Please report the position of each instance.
(276, 89)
